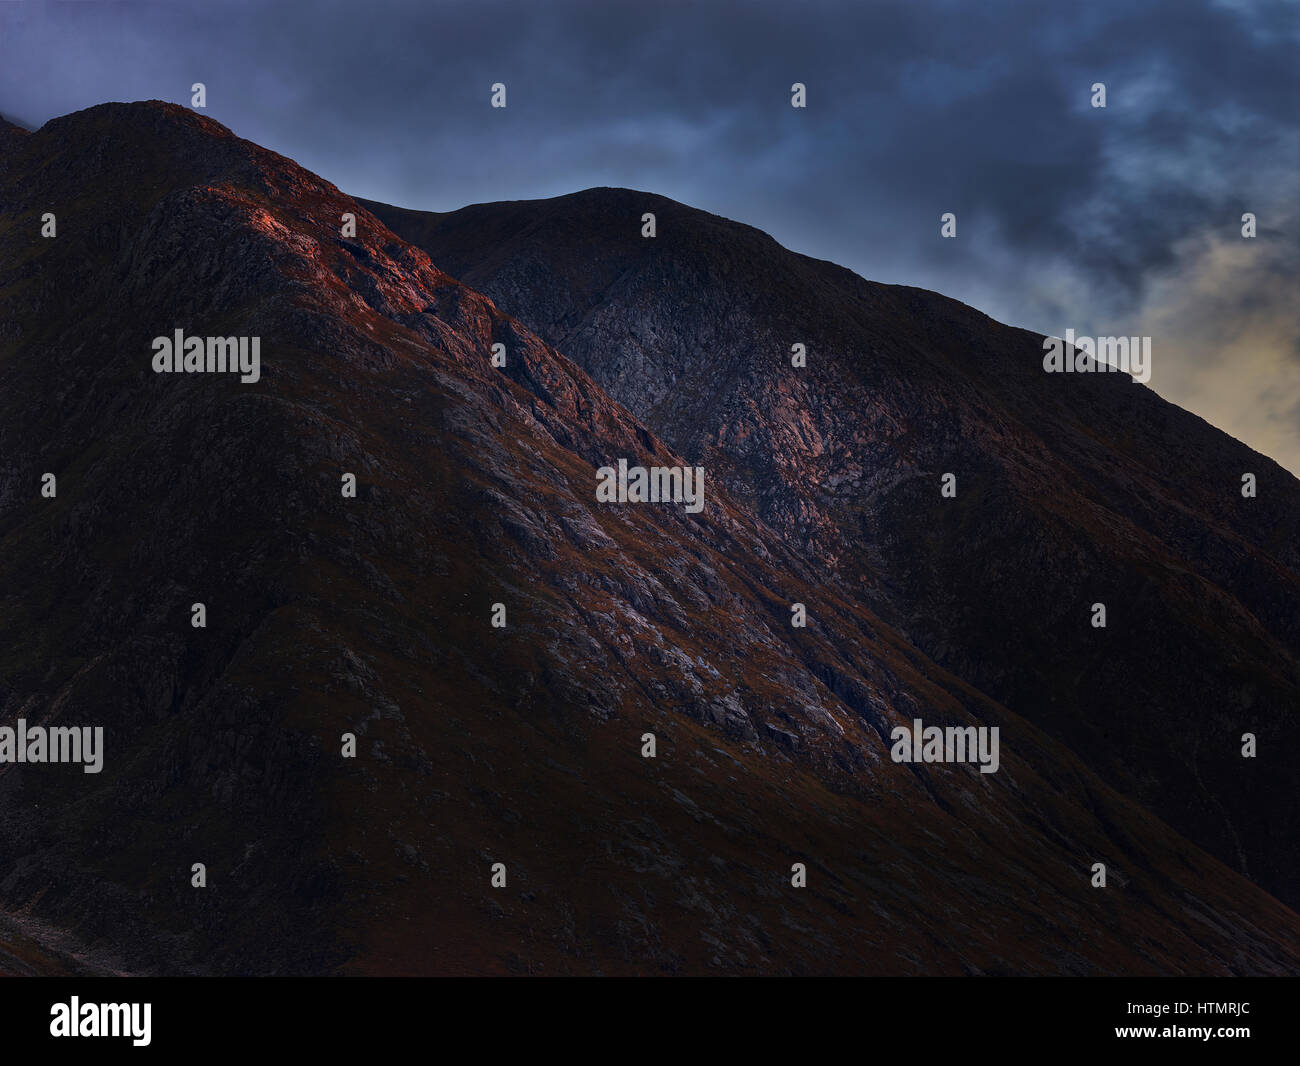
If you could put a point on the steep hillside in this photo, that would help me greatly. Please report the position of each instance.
(328, 615)
(1071, 489)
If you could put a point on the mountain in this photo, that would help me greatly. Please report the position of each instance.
(10, 134)
(1071, 489)
(329, 616)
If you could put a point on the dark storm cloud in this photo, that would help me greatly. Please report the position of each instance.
(1067, 215)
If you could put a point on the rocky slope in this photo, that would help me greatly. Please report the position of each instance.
(1072, 489)
(328, 615)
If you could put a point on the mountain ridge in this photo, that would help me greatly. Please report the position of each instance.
(328, 615)
(693, 336)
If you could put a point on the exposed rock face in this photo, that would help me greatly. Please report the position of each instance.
(328, 615)
(1072, 489)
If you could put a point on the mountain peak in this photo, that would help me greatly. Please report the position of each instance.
(144, 115)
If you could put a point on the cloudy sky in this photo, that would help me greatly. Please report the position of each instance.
(1117, 221)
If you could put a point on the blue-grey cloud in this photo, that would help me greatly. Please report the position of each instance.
(1068, 216)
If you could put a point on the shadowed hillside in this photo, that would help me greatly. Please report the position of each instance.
(328, 615)
(1071, 489)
